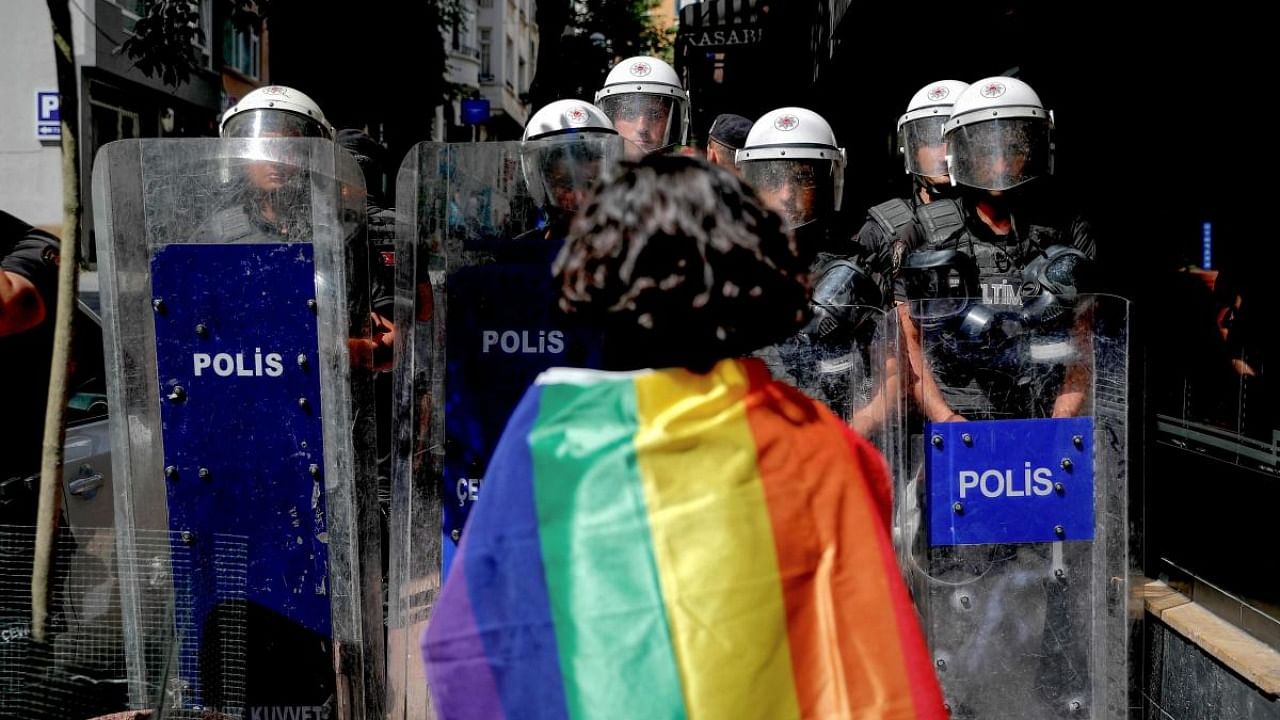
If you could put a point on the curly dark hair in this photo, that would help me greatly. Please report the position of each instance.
(680, 265)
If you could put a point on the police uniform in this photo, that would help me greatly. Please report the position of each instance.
(823, 358)
(1004, 286)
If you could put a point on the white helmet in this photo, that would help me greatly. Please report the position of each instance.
(920, 127)
(275, 111)
(793, 146)
(646, 102)
(567, 146)
(567, 116)
(998, 135)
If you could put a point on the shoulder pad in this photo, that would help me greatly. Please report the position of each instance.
(892, 216)
(940, 220)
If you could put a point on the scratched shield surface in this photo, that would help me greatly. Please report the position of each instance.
(234, 283)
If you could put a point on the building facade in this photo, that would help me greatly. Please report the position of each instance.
(117, 101)
(507, 41)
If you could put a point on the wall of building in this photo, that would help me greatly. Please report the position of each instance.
(504, 85)
(1182, 682)
(30, 169)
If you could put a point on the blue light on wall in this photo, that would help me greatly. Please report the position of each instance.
(1206, 245)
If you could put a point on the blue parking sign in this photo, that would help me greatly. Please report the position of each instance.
(48, 115)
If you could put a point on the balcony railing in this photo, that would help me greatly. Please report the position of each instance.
(466, 51)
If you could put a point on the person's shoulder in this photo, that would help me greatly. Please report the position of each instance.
(29, 251)
(16, 234)
(226, 224)
(889, 217)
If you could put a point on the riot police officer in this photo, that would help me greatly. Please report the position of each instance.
(924, 159)
(257, 237)
(643, 98)
(565, 148)
(503, 324)
(275, 111)
(792, 159)
(997, 267)
(269, 195)
(996, 327)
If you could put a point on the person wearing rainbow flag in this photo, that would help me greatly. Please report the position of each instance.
(679, 534)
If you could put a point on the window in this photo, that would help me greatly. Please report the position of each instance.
(486, 53)
(242, 49)
(111, 122)
(88, 395)
(1214, 456)
(206, 28)
(511, 61)
(131, 11)
(523, 85)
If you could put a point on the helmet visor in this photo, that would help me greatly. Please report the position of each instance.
(999, 154)
(648, 121)
(798, 190)
(922, 143)
(271, 123)
(561, 170)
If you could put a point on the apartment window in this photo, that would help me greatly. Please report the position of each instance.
(511, 61)
(523, 85)
(485, 4)
(206, 28)
(133, 10)
(242, 49)
(486, 52)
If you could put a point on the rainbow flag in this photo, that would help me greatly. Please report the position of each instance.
(664, 544)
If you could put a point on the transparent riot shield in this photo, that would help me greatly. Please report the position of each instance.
(236, 324)
(854, 373)
(1011, 505)
(479, 226)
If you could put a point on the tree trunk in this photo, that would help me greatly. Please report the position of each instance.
(55, 412)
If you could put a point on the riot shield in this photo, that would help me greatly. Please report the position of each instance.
(854, 373)
(236, 320)
(476, 322)
(1011, 506)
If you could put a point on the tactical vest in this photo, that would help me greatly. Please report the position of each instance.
(1000, 260)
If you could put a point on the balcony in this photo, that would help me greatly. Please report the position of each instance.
(466, 52)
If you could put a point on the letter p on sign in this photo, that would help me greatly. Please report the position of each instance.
(49, 107)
